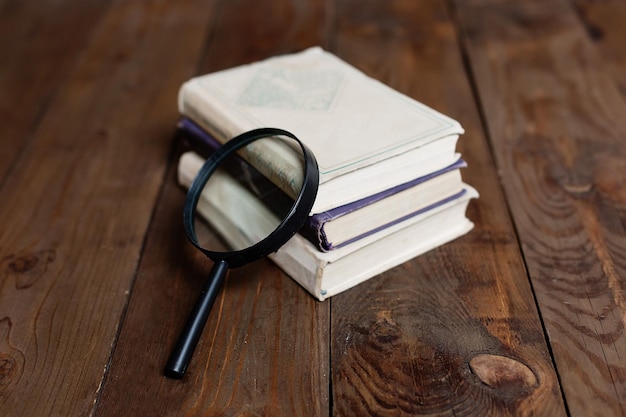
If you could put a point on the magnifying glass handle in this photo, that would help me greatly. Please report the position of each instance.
(181, 355)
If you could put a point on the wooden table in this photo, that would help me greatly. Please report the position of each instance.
(523, 316)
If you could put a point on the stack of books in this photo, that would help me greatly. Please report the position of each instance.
(390, 177)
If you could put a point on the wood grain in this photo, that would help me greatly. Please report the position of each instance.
(604, 23)
(455, 331)
(264, 351)
(76, 206)
(523, 316)
(556, 120)
(39, 50)
(249, 31)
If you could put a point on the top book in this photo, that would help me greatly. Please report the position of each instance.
(366, 136)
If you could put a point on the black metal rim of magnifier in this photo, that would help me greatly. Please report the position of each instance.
(290, 224)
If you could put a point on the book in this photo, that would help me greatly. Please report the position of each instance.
(324, 274)
(366, 137)
(343, 225)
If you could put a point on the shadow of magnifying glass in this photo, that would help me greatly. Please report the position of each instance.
(235, 215)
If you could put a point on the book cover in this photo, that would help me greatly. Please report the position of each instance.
(351, 122)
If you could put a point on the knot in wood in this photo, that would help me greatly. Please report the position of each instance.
(578, 190)
(7, 367)
(503, 373)
(385, 332)
(29, 267)
(23, 264)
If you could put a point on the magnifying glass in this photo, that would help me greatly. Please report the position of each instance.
(235, 215)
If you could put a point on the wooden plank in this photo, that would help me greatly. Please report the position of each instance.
(557, 124)
(75, 208)
(40, 47)
(264, 350)
(454, 331)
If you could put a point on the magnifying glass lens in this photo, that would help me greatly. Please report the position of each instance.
(249, 198)
(239, 205)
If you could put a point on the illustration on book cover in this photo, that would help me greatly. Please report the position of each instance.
(292, 88)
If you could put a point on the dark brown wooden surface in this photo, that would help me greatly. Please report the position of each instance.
(523, 316)
(556, 118)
